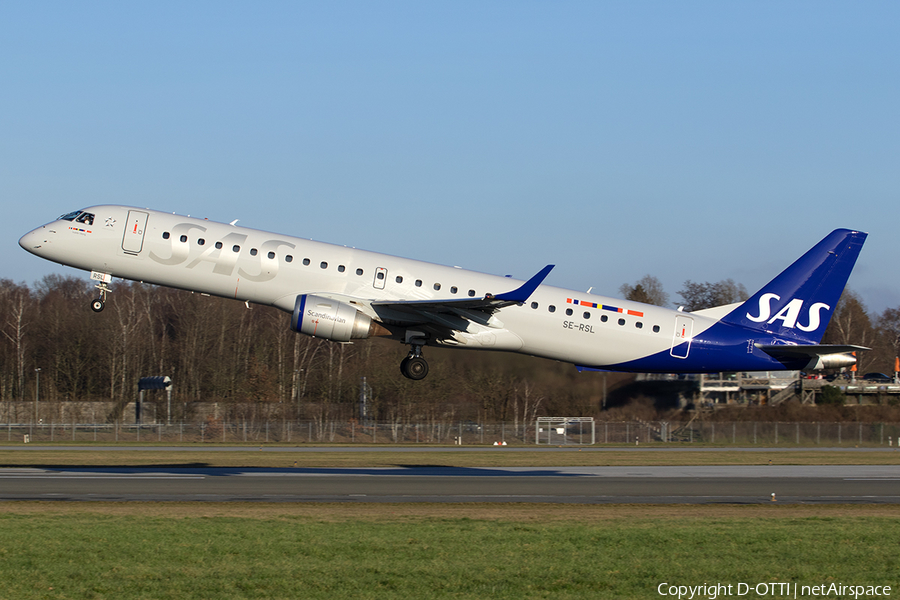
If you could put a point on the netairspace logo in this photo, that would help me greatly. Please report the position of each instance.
(771, 590)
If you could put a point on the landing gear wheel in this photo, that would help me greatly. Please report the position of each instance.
(104, 278)
(414, 367)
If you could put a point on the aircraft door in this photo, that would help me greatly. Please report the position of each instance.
(133, 240)
(681, 340)
(380, 278)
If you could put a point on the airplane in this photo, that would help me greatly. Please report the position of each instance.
(340, 293)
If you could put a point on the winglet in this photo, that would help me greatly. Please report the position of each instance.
(523, 292)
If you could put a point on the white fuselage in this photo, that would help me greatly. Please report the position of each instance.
(272, 269)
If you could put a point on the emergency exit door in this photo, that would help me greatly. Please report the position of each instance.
(133, 241)
(380, 277)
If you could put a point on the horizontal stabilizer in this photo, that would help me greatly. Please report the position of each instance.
(808, 350)
(821, 356)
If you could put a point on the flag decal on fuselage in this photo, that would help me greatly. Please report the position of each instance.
(633, 313)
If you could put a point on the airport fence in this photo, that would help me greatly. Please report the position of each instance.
(739, 434)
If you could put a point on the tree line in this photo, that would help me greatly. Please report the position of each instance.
(247, 359)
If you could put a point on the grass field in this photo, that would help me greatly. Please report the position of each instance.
(385, 551)
(430, 551)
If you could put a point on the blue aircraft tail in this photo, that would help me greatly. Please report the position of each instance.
(799, 302)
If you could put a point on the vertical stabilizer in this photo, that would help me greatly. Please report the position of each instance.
(799, 302)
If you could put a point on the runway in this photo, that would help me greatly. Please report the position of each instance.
(579, 485)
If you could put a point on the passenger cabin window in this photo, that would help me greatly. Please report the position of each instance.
(587, 315)
(235, 248)
(569, 312)
(418, 283)
(604, 318)
(341, 268)
(379, 275)
(183, 239)
(454, 289)
(534, 305)
(323, 265)
(253, 252)
(621, 321)
(437, 286)
(551, 308)
(270, 254)
(472, 293)
(656, 329)
(639, 325)
(200, 241)
(359, 271)
(399, 279)
(305, 262)
(218, 245)
(165, 235)
(288, 258)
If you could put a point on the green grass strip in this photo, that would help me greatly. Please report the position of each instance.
(91, 555)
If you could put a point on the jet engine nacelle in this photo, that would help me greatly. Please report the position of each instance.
(329, 319)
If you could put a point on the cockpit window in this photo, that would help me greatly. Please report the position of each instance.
(79, 216)
(86, 218)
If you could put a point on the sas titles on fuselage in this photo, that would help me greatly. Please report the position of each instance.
(224, 253)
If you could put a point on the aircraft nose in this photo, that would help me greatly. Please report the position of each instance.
(33, 240)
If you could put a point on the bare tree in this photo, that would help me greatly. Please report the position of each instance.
(69, 340)
(697, 296)
(249, 363)
(16, 300)
(530, 403)
(850, 324)
(888, 327)
(648, 290)
(128, 320)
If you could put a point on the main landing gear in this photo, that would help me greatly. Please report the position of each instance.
(414, 366)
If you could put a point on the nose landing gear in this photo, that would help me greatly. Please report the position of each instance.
(98, 304)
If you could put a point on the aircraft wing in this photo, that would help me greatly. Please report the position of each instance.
(454, 313)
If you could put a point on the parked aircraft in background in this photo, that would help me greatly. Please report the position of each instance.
(340, 294)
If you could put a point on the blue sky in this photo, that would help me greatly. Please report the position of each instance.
(683, 140)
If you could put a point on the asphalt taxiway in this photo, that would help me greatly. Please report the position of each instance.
(855, 484)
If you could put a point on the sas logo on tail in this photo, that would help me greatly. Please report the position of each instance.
(789, 314)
